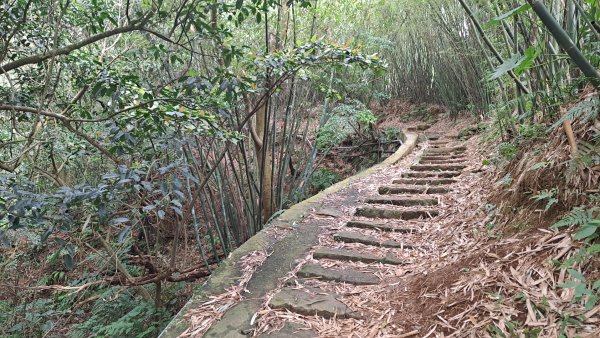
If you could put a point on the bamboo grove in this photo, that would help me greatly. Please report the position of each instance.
(134, 131)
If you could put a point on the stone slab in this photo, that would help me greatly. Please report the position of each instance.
(424, 174)
(372, 212)
(346, 276)
(354, 237)
(424, 181)
(354, 256)
(445, 150)
(291, 330)
(438, 167)
(379, 226)
(403, 189)
(403, 201)
(309, 303)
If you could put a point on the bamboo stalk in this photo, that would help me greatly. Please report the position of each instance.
(565, 42)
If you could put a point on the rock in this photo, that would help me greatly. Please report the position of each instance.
(424, 181)
(309, 303)
(354, 237)
(395, 214)
(402, 201)
(378, 226)
(345, 276)
(401, 189)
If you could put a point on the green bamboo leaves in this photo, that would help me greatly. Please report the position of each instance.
(517, 63)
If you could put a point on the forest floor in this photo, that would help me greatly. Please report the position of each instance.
(410, 251)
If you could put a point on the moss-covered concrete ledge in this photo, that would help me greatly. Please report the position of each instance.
(299, 238)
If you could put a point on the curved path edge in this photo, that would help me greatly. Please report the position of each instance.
(298, 239)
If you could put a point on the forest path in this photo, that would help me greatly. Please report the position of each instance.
(330, 274)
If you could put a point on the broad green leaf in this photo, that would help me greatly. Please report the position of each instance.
(516, 63)
(509, 14)
(576, 274)
(585, 232)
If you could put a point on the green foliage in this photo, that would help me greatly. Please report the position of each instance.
(547, 195)
(517, 63)
(393, 134)
(323, 179)
(346, 119)
(508, 150)
(469, 131)
(583, 290)
(586, 110)
(119, 314)
(531, 131)
(366, 118)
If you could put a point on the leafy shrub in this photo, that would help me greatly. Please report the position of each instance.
(366, 118)
(531, 131)
(323, 179)
(119, 314)
(341, 124)
(508, 150)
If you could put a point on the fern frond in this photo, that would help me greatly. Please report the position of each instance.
(577, 216)
(587, 110)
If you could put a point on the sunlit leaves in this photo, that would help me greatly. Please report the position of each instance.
(517, 63)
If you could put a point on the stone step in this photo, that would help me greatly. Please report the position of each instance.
(438, 167)
(425, 174)
(353, 256)
(403, 201)
(372, 212)
(291, 330)
(346, 276)
(444, 157)
(448, 161)
(403, 189)
(309, 303)
(355, 237)
(419, 127)
(433, 137)
(379, 226)
(445, 150)
(444, 145)
(424, 181)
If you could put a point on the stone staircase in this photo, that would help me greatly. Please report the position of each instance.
(412, 197)
(356, 252)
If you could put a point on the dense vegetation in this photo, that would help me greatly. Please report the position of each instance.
(141, 141)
